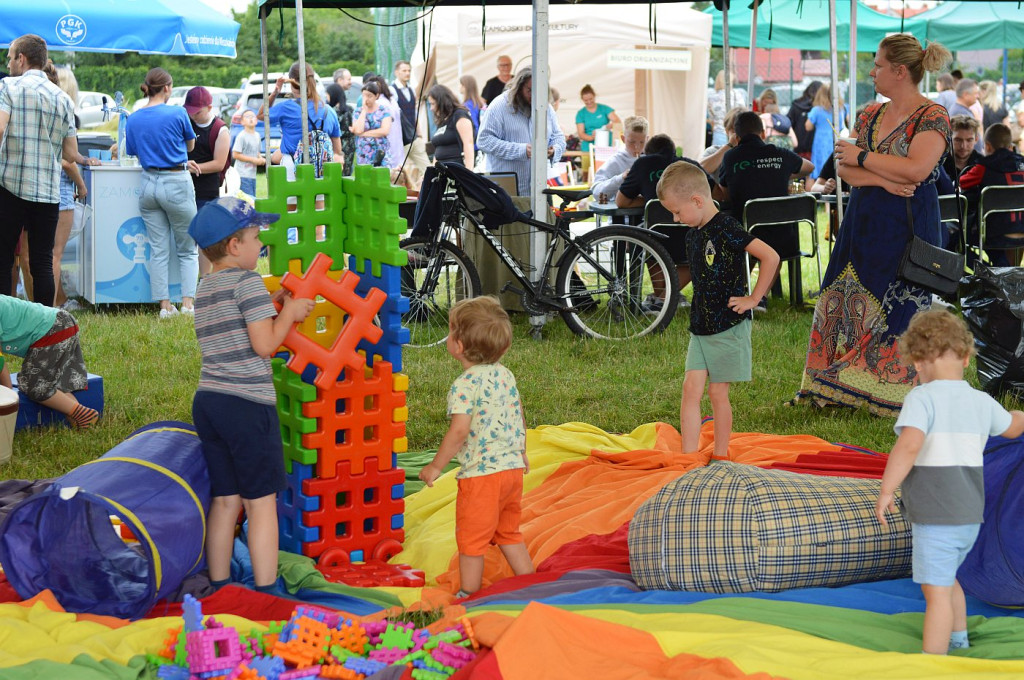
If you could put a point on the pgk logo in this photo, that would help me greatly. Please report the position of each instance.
(70, 29)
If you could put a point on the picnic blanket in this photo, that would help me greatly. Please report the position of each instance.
(581, 614)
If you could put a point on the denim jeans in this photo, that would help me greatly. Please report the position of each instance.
(167, 206)
(248, 185)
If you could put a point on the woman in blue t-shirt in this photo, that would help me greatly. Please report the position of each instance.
(472, 100)
(819, 121)
(288, 114)
(161, 136)
(592, 117)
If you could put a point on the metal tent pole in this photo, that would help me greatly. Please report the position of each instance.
(303, 94)
(539, 158)
(753, 47)
(266, 89)
(725, 58)
(836, 111)
(851, 101)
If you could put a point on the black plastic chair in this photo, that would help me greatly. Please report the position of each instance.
(953, 214)
(785, 213)
(995, 200)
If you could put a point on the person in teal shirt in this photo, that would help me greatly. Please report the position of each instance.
(592, 116)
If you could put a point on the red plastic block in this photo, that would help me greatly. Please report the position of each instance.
(356, 420)
(355, 509)
(358, 324)
(336, 568)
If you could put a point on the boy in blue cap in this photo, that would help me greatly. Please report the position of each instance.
(238, 329)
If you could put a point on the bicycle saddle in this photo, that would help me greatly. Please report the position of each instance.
(568, 194)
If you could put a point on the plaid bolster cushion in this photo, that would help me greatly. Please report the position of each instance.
(729, 528)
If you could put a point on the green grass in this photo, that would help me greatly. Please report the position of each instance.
(150, 369)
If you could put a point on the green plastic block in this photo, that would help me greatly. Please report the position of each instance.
(180, 652)
(374, 228)
(292, 392)
(306, 217)
(396, 638)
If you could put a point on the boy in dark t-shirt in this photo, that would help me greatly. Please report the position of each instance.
(719, 349)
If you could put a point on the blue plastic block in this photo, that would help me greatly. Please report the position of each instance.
(270, 667)
(364, 666)
(291, 503)
(389, 347)
(357, 556)
(397, 521)
(31, 414)
(171, 672)
(397, 491)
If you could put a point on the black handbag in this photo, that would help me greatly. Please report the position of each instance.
(928, 266)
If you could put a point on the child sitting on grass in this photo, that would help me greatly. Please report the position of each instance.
(942, 428)
(719, 348)
(488, 434)
(234, 411)
(53, 366)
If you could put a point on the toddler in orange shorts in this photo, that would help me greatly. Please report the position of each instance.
(488, 434)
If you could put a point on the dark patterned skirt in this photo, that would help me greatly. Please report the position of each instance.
(61, 366)
(853, 358)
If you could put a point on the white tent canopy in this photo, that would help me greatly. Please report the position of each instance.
(583, 40)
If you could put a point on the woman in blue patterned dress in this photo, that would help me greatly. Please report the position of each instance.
(853, 358)
(372, 125)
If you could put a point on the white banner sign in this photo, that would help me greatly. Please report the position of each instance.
(652, 60)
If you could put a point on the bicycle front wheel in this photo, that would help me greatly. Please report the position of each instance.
(438, 275)
(607, 279)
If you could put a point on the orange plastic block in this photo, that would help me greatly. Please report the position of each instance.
(358, 324)
(327, 319)
(307, 644)
(246, 673)
(357, 512)
(360, 416)
(340, 672)
(351, 637)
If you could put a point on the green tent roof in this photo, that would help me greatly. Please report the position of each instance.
(976, 25)
(267, 5)
(804, 25)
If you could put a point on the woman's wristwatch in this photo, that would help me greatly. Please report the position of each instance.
(861, 157)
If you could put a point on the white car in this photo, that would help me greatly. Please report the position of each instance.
(90, 108)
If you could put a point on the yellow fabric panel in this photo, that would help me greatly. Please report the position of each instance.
(38, 632)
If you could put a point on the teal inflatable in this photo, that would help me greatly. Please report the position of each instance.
(63, 539)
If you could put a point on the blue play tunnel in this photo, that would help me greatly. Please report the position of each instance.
(156, 483)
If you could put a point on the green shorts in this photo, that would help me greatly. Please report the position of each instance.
(726, 356)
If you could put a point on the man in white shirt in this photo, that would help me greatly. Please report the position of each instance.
(610, 175)
(404, 95)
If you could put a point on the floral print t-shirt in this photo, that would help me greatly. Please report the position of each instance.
(497, 436)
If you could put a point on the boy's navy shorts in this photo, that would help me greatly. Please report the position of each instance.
(241, 443)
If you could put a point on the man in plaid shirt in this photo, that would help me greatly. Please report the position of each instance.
(37, 129)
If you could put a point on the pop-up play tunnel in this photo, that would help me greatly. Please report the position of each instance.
(156, 484)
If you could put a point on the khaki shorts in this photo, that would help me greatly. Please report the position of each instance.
(726, 356)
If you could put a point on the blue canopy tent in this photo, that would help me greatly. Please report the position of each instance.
(176, 27)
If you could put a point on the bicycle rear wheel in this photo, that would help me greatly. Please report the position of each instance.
(607, 279)
(438, 275)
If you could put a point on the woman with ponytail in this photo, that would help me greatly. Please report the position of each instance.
(853, 359)
(161, 136)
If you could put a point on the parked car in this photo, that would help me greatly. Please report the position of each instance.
(252, 98)
(90, 108)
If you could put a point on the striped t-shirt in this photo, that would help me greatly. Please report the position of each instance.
(226, 302)
(946, 485)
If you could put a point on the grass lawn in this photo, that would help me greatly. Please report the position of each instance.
(150, 368)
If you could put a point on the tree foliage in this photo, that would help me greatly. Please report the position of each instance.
(332, 40)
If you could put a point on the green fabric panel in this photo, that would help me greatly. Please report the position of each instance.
(415, 461)
(976, 25)
(298, 571)
(991, 638)
(808, 28)
(84, 667)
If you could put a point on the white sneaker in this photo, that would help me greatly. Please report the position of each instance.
(169, 313)
(683, 302)
(188, 311)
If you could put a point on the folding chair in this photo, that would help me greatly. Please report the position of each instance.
(995, 200)
(658, 217)
(785, 213)
(953, 214)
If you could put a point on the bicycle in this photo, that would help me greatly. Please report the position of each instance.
(601, 278)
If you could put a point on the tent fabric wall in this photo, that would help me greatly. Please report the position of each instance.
(179, 27)
(674, 101)
(804, 25)
(975, 25)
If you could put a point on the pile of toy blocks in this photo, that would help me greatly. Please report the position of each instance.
(341, 392)
(314, 643)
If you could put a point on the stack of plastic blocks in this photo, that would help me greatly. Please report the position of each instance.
(314, 643)
(341, 392)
